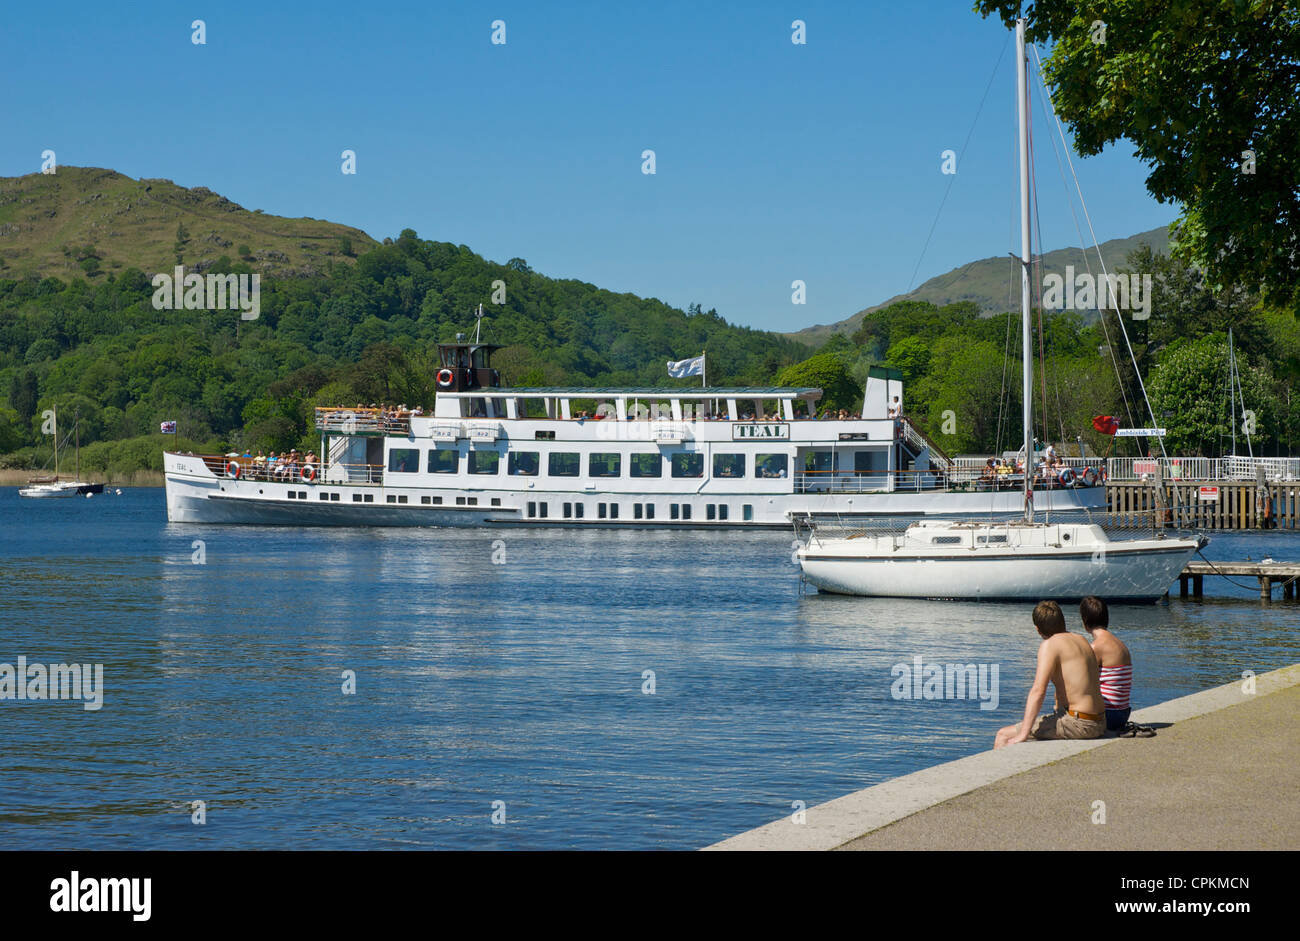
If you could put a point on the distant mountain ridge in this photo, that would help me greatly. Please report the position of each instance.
(84, 221)
(992, 282)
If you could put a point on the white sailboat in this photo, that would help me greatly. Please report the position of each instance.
(56, 486)
(1019, 560)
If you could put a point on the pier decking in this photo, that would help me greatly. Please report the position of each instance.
(1268, 573)
(1205, 504)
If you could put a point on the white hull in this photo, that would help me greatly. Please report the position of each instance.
(61, 489)
(1081, 564)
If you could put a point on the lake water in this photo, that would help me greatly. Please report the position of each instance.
(521, 682)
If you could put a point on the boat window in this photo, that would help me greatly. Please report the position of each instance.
(604, 465)
(524, 463)
(945, 540)
(484, 462)
(728, 465)
(986, 539)
(818, 462)
(688, 464)
(443, 460)
(404, 460)
(748, 512)
(722, 511)
(772, 465)
(672, 510)
(649, 511)
(646, 465)
(636, 511)
(564, 464)
(686, 511)
(710, 511)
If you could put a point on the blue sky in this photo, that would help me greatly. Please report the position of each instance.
(774, 161)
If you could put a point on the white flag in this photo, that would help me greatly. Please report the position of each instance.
(687, 367)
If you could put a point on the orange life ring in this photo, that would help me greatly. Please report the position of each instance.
(1066, 477)
(309, 472)
(446, 378)
(1090, 477)
(233, 469)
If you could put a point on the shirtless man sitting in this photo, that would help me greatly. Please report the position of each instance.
(1066, 661)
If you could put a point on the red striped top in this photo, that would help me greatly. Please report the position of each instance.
(1116, 683)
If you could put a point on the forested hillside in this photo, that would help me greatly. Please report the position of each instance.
(363, 330)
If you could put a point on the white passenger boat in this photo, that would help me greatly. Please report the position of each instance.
(1008, 560)
(677, 457)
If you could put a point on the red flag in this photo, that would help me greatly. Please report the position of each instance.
(1106, 424)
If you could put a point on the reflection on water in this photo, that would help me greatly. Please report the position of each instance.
(479, 682)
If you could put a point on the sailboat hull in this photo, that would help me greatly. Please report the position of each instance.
(1132, 570)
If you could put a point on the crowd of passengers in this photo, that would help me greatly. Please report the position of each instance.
(287, 465)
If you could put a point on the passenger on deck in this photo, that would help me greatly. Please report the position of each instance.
(1115, 661)
(895, 408)
(1067, 662)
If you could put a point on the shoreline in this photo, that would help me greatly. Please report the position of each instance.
(139, 478)
(1024, 796)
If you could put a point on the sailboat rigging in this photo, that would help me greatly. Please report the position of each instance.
(1013, 560)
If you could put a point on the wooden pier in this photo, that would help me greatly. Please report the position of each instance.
(1205, 504)
(1285, 573)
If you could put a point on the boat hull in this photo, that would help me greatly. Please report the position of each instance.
(1138, 571)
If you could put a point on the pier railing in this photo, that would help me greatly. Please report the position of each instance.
(1203, 468)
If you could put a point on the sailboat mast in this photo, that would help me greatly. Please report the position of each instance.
(1026, 351)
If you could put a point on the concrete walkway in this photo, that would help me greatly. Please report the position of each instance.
(1221, 775)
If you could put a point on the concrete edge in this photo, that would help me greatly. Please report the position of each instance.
(839, 821)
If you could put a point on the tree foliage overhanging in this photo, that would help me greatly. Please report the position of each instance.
(1209, 94)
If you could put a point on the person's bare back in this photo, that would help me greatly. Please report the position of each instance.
(1075, 672)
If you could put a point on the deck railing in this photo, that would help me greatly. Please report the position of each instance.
(361, 421)
(294, 471)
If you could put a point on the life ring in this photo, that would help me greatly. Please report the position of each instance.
(233, 469)
(1090, 477)
(1066, 477)
(446, 378)
(309, 472)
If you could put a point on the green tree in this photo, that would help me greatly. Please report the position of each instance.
(1189, 392)
(24, 393)
(827, 372)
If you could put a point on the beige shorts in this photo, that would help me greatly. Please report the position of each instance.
(1061, 724)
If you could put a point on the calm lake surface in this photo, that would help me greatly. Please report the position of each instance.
(520, 682)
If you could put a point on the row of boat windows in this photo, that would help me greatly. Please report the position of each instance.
(640, 511)
(570, 510)
(957, 540)
(569, 464)
(396, 498)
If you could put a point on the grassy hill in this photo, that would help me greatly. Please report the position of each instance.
(992, 283)
(85, 221)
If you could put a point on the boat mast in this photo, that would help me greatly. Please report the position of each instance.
(76, 430)
(54, 412)
(1022, 107)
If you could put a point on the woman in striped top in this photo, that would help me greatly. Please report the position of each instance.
(1115, 661)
